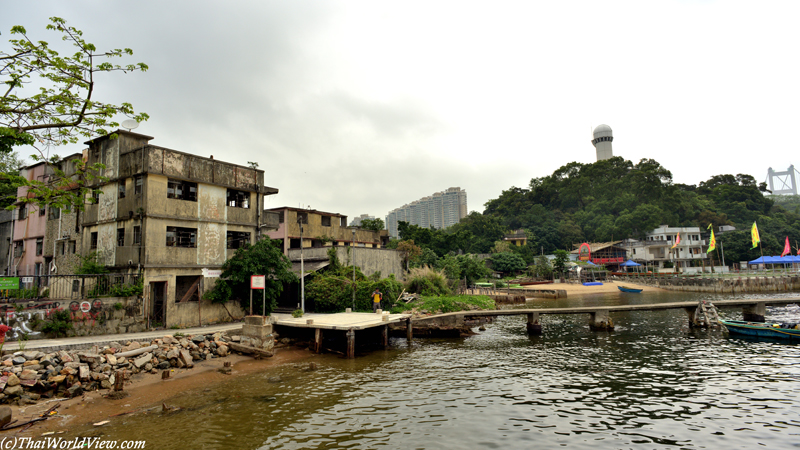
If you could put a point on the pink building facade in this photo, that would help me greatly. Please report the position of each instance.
(29, 225)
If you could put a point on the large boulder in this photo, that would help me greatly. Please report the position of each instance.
(5, 415)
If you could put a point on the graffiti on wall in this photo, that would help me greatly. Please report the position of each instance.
(22, 318)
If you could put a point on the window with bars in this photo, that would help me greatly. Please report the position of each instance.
(238, 199)
(182, 190)
(93, 242)
(237, 239)
(280, 217)
(120, 237)
(137, 235)
(181, 237)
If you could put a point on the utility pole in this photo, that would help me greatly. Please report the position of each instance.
(302, 271)
(354, 269)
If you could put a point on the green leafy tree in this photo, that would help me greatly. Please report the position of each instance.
(372, 224)
(62, 107)
(508, 262)
(262, 258)
(542, 268)
(560, 262)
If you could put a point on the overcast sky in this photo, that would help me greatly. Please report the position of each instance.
(360, 107)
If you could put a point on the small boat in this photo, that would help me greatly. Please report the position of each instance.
(789, 331)
(593, 283)
(627, 289)
(532, 283)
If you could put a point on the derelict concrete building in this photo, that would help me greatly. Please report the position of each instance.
(176, 217)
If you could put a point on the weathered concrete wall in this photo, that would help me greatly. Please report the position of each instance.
(6, 221)
(63, 242)
(783, 283)
(369, 260)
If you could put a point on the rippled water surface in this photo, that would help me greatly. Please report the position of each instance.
(652, 383)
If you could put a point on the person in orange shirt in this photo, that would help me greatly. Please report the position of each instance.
(376, 300)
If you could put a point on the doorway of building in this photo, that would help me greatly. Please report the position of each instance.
(158, 311)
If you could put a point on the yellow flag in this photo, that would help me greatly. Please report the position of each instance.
(712, 243)
(754, 235)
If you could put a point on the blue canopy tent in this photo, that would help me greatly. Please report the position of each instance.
(629, 263)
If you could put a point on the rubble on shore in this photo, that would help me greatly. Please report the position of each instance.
(28, 376)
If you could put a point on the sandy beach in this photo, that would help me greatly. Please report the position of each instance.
(148, 390)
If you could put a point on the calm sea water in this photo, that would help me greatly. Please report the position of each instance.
(652, 383)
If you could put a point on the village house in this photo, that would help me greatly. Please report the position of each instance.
(175, 218)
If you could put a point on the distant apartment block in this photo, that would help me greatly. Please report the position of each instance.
(440, 210)
(356, 222)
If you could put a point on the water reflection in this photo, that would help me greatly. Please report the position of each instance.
(652, 383)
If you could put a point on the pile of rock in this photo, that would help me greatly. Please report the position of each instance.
(28, 376)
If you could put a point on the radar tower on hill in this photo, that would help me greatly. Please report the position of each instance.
(602, 139)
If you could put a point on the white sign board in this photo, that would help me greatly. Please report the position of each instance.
(27, 279)
(257, 281)
(212, 273)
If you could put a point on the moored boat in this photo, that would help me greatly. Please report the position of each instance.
(789, 331)
(628, 289)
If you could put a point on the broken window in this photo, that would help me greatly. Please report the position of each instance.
(294, 243)
(41, 211)
(59, 248)
(302, 217)
(22, 212)
(326, 221)
(238, 199)
(137, 235)
(39, 246)
(182, 190)
(71, 247)
(138, 181)
(121, 188)
(55, 213)
(120, 237)
(187, 288)
(343, 222)
(280, 217)
(237, 239)
(19, 246)
(96, 196)
(93, 244)
(181, 237)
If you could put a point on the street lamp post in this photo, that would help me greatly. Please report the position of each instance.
(302, 271)
(354, 269)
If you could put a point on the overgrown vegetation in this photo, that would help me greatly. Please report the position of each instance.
(262, 258)
(58, 323)
(90, 266)
(427, 282)
(445, 304)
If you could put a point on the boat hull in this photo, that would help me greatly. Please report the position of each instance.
(766, 330)
(627, 289)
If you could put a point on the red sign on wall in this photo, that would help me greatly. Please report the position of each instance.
(584, 252)
(257, 281)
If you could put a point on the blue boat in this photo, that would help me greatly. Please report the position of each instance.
(627, 289)
(593, 283)
(789, 331)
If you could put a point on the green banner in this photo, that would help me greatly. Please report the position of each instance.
(9, 283)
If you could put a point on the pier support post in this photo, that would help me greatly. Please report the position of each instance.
(600, 321)
(351, 343)
(318, 340)
(534, 327)
(385, 336)
(409, 330)
(691, 312)
(755, 312)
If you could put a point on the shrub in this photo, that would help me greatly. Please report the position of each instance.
(297, 313)
(427, 281)
(333, 292)
(58, 323)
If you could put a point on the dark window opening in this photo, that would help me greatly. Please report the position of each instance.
(22, 212)
(326, 221)
(59, 248)
(280, 217)
(55, 213)
(96, 196)
(302, 217)
(120, 237)
(237, 239)
(181, 237)
(238, 199)
(93, 242)
(71, 247)
(39, 246)
(76, 285)
(42, 211)
(121, 189)
(137, 235)
(187, 285)
(294, 243)
(137, 184)
(19, 246)
(343, 222)
(182, 190)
